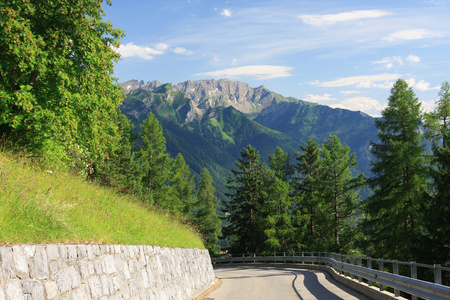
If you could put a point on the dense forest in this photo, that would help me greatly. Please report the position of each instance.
(59, 102)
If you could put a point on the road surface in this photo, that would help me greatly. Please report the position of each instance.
(278, 283)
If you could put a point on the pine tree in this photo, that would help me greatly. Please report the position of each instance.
(277, 214)
(306, 188)
(207, 218)
(437, 217)
(339, 193)
(279, 162)
(119, 169)
(182, 188)
(243, 210)
(155, 163)
(394, 224)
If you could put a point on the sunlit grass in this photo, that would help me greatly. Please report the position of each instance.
(47, 206)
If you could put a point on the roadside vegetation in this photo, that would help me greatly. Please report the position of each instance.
(40, 204)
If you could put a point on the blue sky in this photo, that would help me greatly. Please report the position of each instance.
(343, 54)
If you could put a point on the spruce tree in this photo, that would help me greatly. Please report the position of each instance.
(279, 162)
(277, 214)
(119, 169)
(394, 221)
(306, 189)
(182, 188)
(155, 163)
(243, 210)
(339, 193)
(437, 208)
(207, 218)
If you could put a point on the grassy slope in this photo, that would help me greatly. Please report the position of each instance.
(37, 206)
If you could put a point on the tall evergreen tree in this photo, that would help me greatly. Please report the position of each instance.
(339, 193)
(182, 188)
(394, 221)
(119, 169)
(154, 161)
(243, 210)
(280, 163)
(437, 218)
(207, 218)
(277, 225)
(306, 188)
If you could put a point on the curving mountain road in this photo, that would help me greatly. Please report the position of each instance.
(278, 283)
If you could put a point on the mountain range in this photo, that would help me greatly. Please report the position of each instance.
(210, 121)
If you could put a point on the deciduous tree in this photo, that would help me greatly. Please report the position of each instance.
(56, 84)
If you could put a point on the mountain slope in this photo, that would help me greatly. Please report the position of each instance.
(210, 121)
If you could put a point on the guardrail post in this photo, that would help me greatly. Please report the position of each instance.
(360, 279)
(413, 275)
(437, 274)
(381, 268)
(395, 271)
(303, 254)
(352, 261)
(369, 266)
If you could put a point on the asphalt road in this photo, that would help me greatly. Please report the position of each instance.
(261, 283)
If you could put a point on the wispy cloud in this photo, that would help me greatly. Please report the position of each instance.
(346, 93)
(412, 34)
(147, 53)
(362, 81)
(366, 104)
(258, 71)
(319, 98)
(321, 20)
(182, 51)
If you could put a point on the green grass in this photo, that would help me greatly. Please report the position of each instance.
(46, 206)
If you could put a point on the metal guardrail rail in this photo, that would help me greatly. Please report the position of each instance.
(345, 265)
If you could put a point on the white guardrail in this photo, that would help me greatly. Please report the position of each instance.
(345, 265)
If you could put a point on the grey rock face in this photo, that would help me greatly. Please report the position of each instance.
(213, 93)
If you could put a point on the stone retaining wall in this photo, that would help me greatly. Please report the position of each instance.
(32, 272)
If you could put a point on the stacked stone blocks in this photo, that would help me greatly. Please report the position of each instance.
(32, 272)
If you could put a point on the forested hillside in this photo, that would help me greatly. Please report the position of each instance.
(212, 135)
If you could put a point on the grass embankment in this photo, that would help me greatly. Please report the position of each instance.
(47, 206)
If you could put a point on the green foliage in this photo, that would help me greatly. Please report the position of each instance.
(437, 206)
(120, 168)
(339, 193)
(244, 208)
(182, 198)
(56, 84)
(207, 219)
(395, 220)
(154, 162)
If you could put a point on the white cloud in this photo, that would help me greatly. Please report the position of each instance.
(260, 71)
(130, 50)
(161, 47)
(365, 104)
(413, 58)
(234, 62)
(226, 13)
(182, 51)
(412, 34)
(346, 93)
(319, 98)
(422, 85)
(320, 20)
(383, 81)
